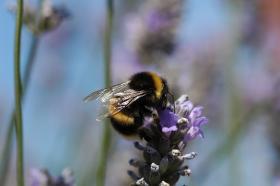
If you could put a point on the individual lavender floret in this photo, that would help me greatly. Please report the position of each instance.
(42, 20)
(43, 178)
(166, 140)
(190, 115)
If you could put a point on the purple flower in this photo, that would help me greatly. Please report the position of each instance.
(166, 138)
(162, 164)
(168, 121)
(184, 108)
(195, 129)
(151, 33)
(38, 177)
(156, 21)
(42, 20)
(185, 113)
(43, 178)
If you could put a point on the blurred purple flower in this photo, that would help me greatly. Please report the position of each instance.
(43, 178)
(44, 19)
(156, 21)
(38, 177)
(152, 32)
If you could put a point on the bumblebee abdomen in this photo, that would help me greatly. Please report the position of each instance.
(120, 116)
(123, 118)
(124, 128)
(126, 121)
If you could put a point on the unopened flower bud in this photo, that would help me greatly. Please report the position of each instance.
(154, 167)
(141, 182)
(136, 163)
(176, 153)
(185, 172)
(139, 145)
(188, 156)
(163, 183)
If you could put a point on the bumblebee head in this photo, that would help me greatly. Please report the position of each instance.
(155, 85)
(167, 98)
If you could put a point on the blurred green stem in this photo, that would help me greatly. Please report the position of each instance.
(7, 152)
(106, 138)
(6, 155)
(7, 149)
(18, 90)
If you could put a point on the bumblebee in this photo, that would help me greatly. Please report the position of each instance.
(128, 103)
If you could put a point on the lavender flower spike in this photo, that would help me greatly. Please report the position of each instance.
(166, 140)
(43, 178)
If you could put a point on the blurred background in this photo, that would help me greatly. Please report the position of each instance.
(223, 53)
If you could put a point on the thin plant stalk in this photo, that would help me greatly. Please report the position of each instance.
(106, 138)
(18, 90)
(7, 150)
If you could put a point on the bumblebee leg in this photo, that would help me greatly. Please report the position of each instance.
(150, 111)
(170, 103)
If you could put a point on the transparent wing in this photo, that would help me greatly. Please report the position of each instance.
(105, 94)
(115, 98)
(125, 99)
(122, 100)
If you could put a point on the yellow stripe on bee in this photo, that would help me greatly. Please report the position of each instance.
(158, 84)
(120, 117)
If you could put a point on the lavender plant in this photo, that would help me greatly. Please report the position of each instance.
(44, 178)
(152, 32)
(47, 18)
(17, 93)
(38, 21)
(166, 140)
(106, 140)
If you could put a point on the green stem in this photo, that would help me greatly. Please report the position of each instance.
(7, 150)
(106, 138)
(17, 88)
